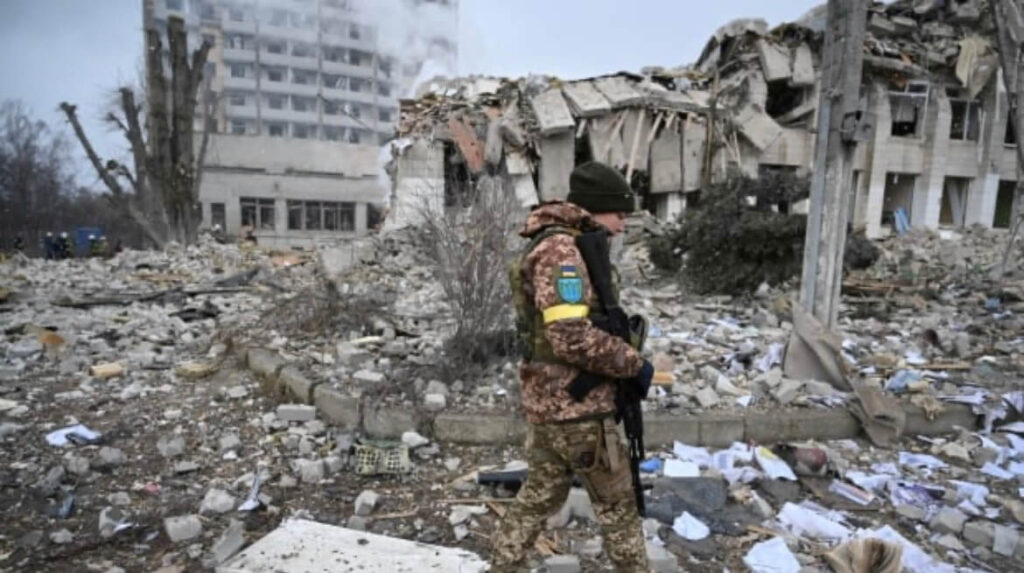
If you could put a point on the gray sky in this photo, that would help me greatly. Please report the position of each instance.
(82, 50)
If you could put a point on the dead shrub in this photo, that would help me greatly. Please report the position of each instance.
(468, 246)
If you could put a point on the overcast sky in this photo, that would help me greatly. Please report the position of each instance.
(82, 50)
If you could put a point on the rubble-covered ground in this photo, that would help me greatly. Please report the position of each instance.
(138, 349)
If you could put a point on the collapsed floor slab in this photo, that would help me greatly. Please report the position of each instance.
(301, 546)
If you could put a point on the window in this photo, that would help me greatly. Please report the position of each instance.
(275, 75)
(356, 58)
(239, 42)
(1010, 137)
(334, 81)
(907, 105)
(301, 104)
(275, 102)
(217, 216)
(208, 12)
(238, 127)
(302, 131)
(330, 108)
(354, 32)
(302, 50)
(965, 120)
(321, 215)
(353, 136)
(352, 110)
(332, 133)
(356, 84)
(275, 130)
(334, 54)
(237, 99)
(384, 64)
(385, 115)
(236, 15)
(313, 213)
(257, 213)
(383, 89)
(303, 78)
(275, 47)
(210, 39)
(237, 71)
(176, 5)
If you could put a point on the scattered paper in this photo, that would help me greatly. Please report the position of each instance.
(699, 456)
(772, 556)
(7, 404)
(871, 482)
(802, 521)
(689, 527)
(908, 493)
(1016, 443)
(679, 468)
(745, 474)
(1016, 427)
(252, 501)
(887, 468)
(914, 560)
(1016, 468)
(851, 492)
(77, 434)
(976, 399)
(976, 493)
(995, 471)
(926, 461)
(772, 465)
(744, 400)
(913, 357)
(772, 358)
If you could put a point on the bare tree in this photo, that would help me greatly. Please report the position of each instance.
(1008, 18)
(160, 192)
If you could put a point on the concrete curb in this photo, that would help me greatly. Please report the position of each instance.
(285, 382)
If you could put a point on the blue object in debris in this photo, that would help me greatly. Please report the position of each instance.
(651, 466)
(992, 304)
(902, 221)
(901, 380)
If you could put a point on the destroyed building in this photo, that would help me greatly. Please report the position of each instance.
(940, 150)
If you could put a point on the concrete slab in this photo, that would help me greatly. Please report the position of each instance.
(553, 113)
(637, 120)
(558, 155)
(606, 140)
(803, 66)
(667, 162)
(585, 100)
(774, 61)
(694, 139)
(757, 126)
(301, 546)
(618, 91)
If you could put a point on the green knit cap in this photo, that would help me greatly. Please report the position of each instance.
(600, 188)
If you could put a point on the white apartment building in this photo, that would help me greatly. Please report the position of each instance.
(306, 92)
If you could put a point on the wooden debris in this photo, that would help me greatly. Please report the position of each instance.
(195, 370)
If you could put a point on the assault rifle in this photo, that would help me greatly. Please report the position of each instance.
(594, 248)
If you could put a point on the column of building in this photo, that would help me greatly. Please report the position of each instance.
(981, 198)
(928, 188)
(876, 161)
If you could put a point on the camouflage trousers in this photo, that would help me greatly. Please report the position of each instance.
(595, 451)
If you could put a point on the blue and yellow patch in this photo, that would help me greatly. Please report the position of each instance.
(569, 284)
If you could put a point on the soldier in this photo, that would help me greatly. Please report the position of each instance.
(553, 296)
(64, 248)
(49, 246)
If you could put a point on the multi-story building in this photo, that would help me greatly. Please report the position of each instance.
(305, 92)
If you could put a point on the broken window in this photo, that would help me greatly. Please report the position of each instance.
(965, 123)
(300, 50)
(383, 89)
(217, 215)
(332, 133)
(302, 131)
(237, 71)
(313, 214)
(1004, 204)
(784, 98)
(236, 14)
(303, 78)
(238, 127)
(275, 102)
(257, 213)
(275, 75)
(295, 215)
(275, 47)
(353, 136)
(355, 32)
(176, 5)
(237, 99)
(303, 104)
(907, 105)
(385, 115)
(955, 191)
(898, 198)
(275, 129)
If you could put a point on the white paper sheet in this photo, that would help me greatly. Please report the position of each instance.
(699, 456)
(772, 556)
(681, 469)
(689, 527)
(772, 465)
(60, 437)
(995, 471)
(804, 522)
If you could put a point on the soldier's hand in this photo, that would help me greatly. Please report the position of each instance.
(642, 381)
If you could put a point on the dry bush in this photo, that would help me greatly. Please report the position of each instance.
(469, 246)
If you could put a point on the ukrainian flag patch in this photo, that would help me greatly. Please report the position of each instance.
(569, 284)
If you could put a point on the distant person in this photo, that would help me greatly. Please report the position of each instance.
(94, 246)
(19, 244)
(250, 237)
(218, 234)
(64, 246)
(49, 246)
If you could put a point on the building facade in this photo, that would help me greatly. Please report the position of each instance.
(303, 93)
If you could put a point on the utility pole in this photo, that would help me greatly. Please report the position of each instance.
(840, 126)
(1008, 19)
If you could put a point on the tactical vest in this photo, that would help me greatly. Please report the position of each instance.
(529, 319)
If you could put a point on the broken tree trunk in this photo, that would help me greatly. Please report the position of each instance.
(838, 116)
(1008, 18)
(164, 182)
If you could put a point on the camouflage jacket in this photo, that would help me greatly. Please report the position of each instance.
(555, 281)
